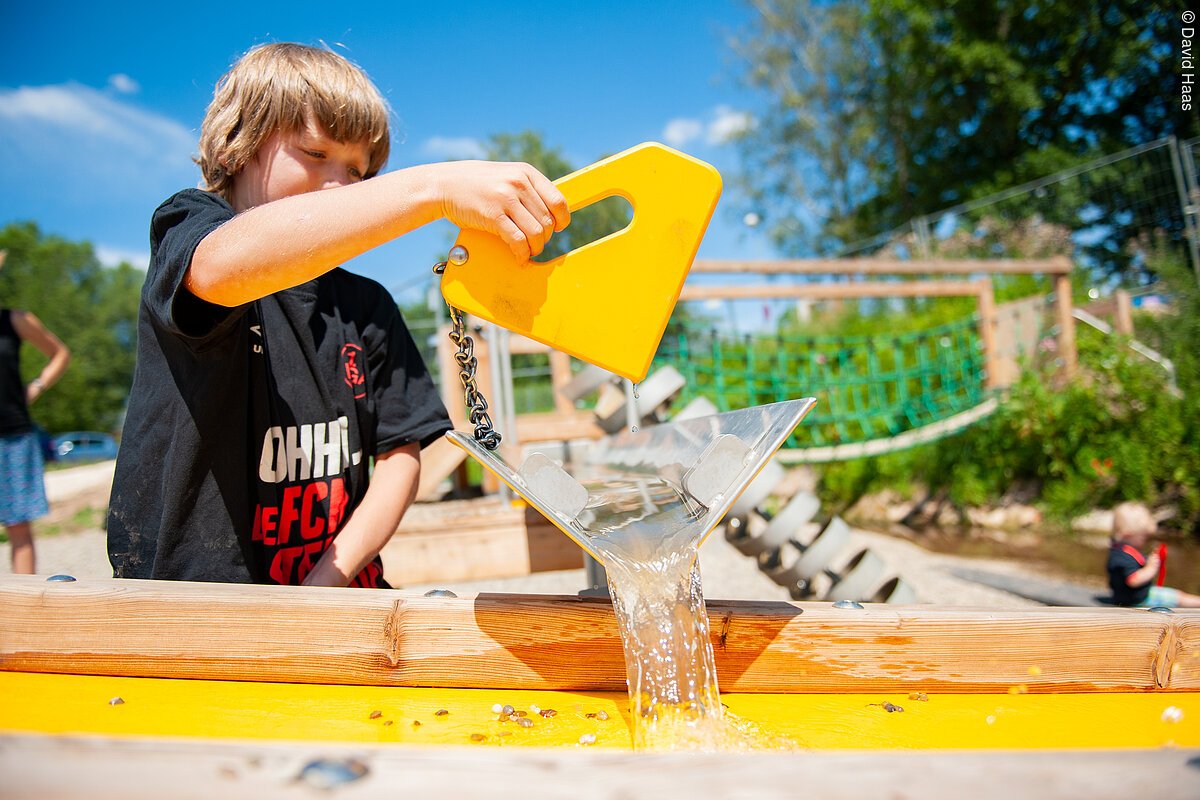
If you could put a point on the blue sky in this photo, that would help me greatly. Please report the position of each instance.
(100, 105)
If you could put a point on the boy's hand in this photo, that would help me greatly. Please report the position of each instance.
(1153, 562)
(512, 200)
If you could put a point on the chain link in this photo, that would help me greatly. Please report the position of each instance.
(477, 406)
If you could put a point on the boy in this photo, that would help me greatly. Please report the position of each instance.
(267, 377)
(1131, 575)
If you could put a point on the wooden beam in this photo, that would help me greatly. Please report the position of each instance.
(142, 768)
(987, 335)
(348, 636)
(836, 291)
(560, 376)
(1123, 314)
(474, 540)
(1066, 324)
(879, 266)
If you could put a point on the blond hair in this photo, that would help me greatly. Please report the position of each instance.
(278, 87)
(1132, 518)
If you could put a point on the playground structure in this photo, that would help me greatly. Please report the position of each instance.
(345, 689)
(929, 385)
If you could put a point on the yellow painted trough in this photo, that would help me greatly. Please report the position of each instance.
(190, 676)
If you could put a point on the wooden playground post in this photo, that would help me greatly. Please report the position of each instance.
(987, 332)
(1063, 310)
(1123, 315)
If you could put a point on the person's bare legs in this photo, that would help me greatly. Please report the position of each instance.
(20, 538)
(1188, 600)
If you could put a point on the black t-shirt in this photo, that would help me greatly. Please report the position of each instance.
(1123, 561)
(249, 430)
(14, 413)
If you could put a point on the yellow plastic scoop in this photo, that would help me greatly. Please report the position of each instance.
(607, 302)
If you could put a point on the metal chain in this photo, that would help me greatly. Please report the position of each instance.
(477, 406)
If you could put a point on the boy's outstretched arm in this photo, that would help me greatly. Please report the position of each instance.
(392, 490)
(288, 241)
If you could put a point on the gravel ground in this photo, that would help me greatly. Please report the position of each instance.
(727, 574)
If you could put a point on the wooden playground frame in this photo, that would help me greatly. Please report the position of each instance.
(499, 540)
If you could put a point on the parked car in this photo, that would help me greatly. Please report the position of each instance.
(84, 446)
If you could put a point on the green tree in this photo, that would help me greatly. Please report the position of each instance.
(882, 110)
(93, 309)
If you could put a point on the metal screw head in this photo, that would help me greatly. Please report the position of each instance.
(440, 593)
(1161, 610)
(61, 578)
(847, 604)
(458, 255)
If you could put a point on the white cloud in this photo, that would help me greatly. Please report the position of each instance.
(113, 256)
(726, 124)
(74, 110)
(682, 130)
(723, 125)
(123, 83)
(453, 148)
(88, 164)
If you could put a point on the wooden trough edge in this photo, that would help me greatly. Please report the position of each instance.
(360, 637)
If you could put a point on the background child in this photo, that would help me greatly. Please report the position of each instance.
(267, 378)
(22, 484)
(1131, 573)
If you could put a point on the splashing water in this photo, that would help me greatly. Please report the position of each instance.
(654, 581)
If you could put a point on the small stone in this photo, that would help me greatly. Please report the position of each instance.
(548, 712)
(416, 723)
(116, 701)
(504, 733)
(890, 707)
(507, 709)
(387, 722)
(602, 715)
(441, 712)
(519, 713)
(590, 715)
(376, 714)
(924, 698)
(534, 709)
(503, 718)
(477, 737)
(1172, 714)
(496, 709)
(525, 722)
(587, 738)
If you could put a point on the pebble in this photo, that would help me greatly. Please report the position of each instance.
(376, 714)
(587, 738)
(116, 701)
(525, 722)
(1172, 714)
(496, 709)
(441, 712)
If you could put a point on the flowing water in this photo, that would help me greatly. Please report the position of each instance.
(654, 581)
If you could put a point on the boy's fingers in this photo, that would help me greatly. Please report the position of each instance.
(553, 199)
(514, 237)
(545, 220)
(530, 224)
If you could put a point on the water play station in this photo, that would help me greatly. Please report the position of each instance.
(149, 689)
